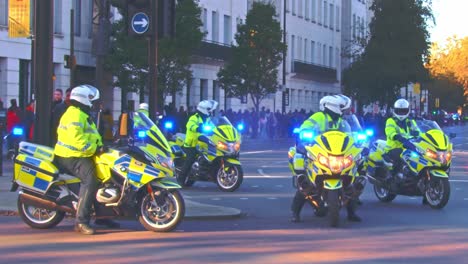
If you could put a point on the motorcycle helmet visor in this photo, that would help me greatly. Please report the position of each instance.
(401, 111)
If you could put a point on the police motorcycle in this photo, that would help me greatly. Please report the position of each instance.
(325, 166)
(424, 171)
(218, 155)
(134, 181)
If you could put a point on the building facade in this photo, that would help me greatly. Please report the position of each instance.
(317, 33)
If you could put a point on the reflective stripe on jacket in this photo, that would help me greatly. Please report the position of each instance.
(191, 137)
(322, 120)
(77, 135)
(392, 129)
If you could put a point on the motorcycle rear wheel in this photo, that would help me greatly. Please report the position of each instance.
(438, 193)
(163, 217)
(229, 179)
(333, 201)
(39, 218)
(383, 194)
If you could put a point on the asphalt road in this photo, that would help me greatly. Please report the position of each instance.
(403, 231)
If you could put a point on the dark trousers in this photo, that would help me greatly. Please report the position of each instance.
(299, 200)
(190, 156)
(85, 169)
(394, 155)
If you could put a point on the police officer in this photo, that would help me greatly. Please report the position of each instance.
(144, 109)
(205, 109)
(398, 129)
(77, 141)
(330, 116)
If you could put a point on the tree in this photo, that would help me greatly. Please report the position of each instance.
(253, 68)
(450, 61)
(395, 52)
(128, 59)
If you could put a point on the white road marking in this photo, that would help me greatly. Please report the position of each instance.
(458, 180)
(465, 199)
(412, 198)
(279, 186)
(254, 186)
(215, 199)
(256, 152)
(272, 198)
(244, 198)
(457, 189)
(266, 177)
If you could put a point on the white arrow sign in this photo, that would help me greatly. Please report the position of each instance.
(143, 22)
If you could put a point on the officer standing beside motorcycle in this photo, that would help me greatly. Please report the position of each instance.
(194, 127)
(330, 115)
(77, 141)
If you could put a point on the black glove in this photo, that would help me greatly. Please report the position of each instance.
(101, 149)
(406, 143)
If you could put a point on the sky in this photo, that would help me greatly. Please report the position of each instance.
(451, 18)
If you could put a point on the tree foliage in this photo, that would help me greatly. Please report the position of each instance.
(450, 61)
(395, 52)
(128, 59)
(253, 68)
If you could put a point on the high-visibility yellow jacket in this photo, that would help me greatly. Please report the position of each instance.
(191, 137)
(137, 120)
(323, 120)
(392, 129)
(77, 135)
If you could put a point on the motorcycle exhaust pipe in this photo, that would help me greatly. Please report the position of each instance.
(42, 203)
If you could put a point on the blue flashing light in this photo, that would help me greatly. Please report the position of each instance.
(414, 154)
(362, 137)
(168, 125)
(18, 131)
(369, 132)
(306, 135)
(141, 134)
(207, 128)
(296, 130)
(240, 127)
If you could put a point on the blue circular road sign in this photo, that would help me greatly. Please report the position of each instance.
(140, 23)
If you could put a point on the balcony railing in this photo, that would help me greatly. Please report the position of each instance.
(315, 72)
(214, 50)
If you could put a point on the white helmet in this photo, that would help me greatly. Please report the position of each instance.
(85, 94)
(346, 102)
(401, 109)
(144, 106)
(207, 107)
(334, 103)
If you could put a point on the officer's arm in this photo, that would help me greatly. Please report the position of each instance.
(192, 124)
(390, 129)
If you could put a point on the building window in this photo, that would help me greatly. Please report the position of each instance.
(324, 55)
(293, 42)
(330, 57)
(3, 12)
(299, 48)
(312, 51)
(90, 19)
(227, 29)
(293, 7)
(214, 26)
(205, 22)
(325, 14)
(332, 19)
(354, 26)
(358, 27)
(337, 13)
(319, 53)
(306, 48)
(337, 57)
(77, 8)
(203, 89)
(306, 9)
(299, 8)
(57, 16)
(287, 6)
(319, 12)
(313, 10)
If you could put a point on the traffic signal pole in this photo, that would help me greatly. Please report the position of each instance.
(153, 62)
(43, 66)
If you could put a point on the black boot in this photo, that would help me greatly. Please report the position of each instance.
(351, 208)
(424, 201)
(296, 207)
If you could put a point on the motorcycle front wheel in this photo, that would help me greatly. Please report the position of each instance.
(334, 204)
(163, 213)
(37, 217)
(230, 177)
(438, 193)
(383, 194)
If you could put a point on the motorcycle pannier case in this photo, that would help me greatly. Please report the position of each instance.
(33, 167)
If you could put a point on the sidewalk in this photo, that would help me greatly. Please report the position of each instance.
(193, 210)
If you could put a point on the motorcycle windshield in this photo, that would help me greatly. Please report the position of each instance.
(151, 134)
(427, 125)
(223, 128)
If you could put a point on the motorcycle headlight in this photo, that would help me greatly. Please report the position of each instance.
(431, 154)
(166, 162)
(237, 146)
(336, 163)
(222, 146)
(449, 156)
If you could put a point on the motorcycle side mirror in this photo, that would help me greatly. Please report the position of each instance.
(452, 135)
